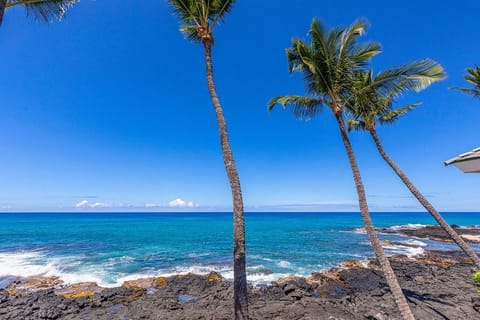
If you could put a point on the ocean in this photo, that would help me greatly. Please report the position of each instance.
(110, 248)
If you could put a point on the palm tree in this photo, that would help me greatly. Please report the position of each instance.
(371, 104)
(41, 9)
(198, 19)
(328, 63)
(472, 77)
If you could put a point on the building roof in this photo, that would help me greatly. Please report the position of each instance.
(467, 162)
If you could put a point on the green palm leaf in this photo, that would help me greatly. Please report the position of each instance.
(45, 10)
(417, 76)
(475, 93)
(472, 77)
(363, 53)
(355, 125)
(372, 97)
(302, 107)
(391, 116)
(199, 17)
(329, 60)
(360, 54)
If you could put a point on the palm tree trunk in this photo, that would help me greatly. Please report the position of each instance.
(3, 5)
(239, 263)
(390, 277)
(425, 203)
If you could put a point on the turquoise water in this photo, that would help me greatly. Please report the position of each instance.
(110, 248)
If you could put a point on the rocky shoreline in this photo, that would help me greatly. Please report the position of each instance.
(469, 234)
(438, 285)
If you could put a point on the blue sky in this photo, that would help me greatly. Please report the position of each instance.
(108, 110)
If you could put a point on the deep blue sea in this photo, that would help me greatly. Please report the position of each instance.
(109, 248)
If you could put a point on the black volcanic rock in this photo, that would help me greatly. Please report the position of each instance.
(434, 290)
(434, 232)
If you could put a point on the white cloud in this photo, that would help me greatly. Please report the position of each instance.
(85, 204)
(179, 203)
(100, 205)
(82, 204)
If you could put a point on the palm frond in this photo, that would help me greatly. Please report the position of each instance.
(363, 102)
(302, 107)
(301, 57)
(323, 48)
(417, 76)
(392, 116)
(338, 54)
(348, 38)
(475, 93)
(371, 98)
(328, 62)
(355, 125)
(46, 10)
(200, 16)
(186, 12)
(472, 77)
(318, 32)
(363, 53)
(190, 33)
(319, 44)
(220, 8)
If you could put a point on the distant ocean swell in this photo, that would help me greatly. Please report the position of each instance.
(299, 245)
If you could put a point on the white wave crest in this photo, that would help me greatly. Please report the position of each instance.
(284, 264)
(415, 242)
(407, 226)
(399, 249)
(410, 249)
(25, 263)
(257, 256)
(265, 279)
(359, 230)
(34, 263)
(199, 255)
(118, 261)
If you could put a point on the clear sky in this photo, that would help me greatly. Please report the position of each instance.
(109, 110)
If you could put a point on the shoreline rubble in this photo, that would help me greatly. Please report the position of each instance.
(437, 284)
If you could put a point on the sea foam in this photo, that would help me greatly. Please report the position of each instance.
(25, 263)
(410, 249)
(407, 226)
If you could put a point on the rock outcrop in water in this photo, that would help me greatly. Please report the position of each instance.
(435, 290)
(469, 234)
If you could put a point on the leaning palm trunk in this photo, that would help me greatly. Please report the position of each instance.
(239, 263)
(425, 203)
(3, 5)
(390, 277)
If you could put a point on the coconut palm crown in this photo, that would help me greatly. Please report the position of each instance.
(199, 18)
(329, 63)
(372, 97)
(45, 10)
(473, 78)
